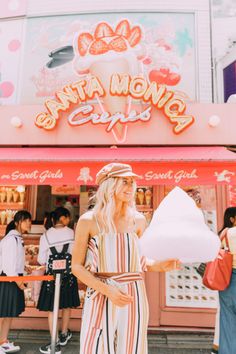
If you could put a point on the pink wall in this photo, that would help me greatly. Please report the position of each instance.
(13, 8)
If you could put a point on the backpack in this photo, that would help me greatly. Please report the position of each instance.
(56, 256)
(67, 278)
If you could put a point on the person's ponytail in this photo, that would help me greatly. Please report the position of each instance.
(49, 221)
(10, 226)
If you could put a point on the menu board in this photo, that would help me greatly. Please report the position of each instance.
(184, 288)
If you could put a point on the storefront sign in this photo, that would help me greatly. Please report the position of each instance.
(79, 173)
(65, 190)
(109, 62)
(121, 86)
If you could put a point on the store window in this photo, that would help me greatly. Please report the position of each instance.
(12, 198)
(144, 201)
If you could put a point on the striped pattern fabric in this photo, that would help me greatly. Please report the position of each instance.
(109, 329)
(114, 254)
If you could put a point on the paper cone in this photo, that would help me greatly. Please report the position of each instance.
(103, 70)
(3, 195)
(22, 197)
(3, 217)
(140, 194)
(9, 195)
(15, 196)
(148, 197)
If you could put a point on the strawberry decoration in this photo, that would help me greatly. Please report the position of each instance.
(135, 36)
(98, 47)
(103, 30)
(123, 29)
(105, 39)
(84, 41)
(118, 44)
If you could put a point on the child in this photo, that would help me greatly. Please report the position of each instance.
(58, 235)
(12, 262)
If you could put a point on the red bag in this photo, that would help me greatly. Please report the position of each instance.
(218, 272)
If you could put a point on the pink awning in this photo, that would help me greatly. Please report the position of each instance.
(164, 165)
(208, 153)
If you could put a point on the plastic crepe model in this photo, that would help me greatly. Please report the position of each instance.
(178, 230)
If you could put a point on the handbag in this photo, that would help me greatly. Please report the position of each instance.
(218, 272)
(201, 269)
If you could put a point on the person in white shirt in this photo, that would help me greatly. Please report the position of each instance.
(69, 206)
(55, 239)
(12, 263)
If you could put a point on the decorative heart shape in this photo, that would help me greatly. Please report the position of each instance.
(157, 76)
(147, 61)
(173, 79)
(165, 71)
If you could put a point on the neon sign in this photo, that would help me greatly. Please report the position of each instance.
(136, 87)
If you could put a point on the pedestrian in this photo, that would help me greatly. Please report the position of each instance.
(227, 342)
(58, 239)
(107, 259)
(12, 263)
(69, 206)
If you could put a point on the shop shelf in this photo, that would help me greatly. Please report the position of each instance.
(12, 206)
(144, 208)
(2, 230)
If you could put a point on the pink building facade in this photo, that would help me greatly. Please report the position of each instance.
(83, 84)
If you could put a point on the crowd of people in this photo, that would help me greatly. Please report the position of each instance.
(105, 256)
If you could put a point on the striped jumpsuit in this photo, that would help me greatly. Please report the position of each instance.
(107, 328)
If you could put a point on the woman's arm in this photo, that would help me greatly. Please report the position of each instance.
(82, 234)
(163, 266)
(155, 266)
(43, 250)
(9, 259)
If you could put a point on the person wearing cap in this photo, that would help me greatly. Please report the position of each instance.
(106, 258)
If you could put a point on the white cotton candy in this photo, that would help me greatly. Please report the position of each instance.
(178, 230)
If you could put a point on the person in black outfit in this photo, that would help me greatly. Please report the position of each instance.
(58, 238)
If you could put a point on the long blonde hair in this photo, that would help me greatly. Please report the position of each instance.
(105, 205)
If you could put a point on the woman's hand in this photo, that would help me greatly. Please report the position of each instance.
(164, 266)
(118, 297)
(28, 269)
(21, 285)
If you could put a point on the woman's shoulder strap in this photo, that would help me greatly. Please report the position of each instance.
(224, 236)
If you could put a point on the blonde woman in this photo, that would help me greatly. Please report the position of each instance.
(107, 259)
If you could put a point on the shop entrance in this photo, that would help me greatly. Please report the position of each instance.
(176, 298)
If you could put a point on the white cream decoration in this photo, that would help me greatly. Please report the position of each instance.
(178, 230)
